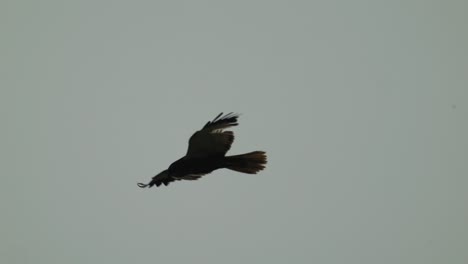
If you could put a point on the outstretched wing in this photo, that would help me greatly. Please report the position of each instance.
(164, 178)
(211, 140)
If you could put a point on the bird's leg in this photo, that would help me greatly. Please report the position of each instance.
(142, 185)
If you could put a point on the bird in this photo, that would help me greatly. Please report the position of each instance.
(207, 152)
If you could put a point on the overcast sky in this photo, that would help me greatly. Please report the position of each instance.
(361, 106)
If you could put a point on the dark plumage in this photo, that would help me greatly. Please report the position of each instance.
(207, 152)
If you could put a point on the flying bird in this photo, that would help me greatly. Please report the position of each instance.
(207, 152)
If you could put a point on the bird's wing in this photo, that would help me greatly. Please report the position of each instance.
(211, 140)
(190, 177)
(164, 178)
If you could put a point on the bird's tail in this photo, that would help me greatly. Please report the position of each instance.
(250, 163)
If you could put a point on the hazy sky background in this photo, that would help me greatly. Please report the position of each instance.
(362, 107)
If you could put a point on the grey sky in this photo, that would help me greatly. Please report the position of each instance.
(361, 106)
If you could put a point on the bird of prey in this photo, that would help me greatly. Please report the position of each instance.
(207, 152)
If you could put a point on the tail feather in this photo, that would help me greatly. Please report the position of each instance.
(250, 163)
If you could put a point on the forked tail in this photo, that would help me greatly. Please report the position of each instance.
(250, 163)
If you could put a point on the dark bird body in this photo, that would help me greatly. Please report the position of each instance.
(207, 152)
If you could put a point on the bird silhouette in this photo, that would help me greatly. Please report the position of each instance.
(207, 152)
